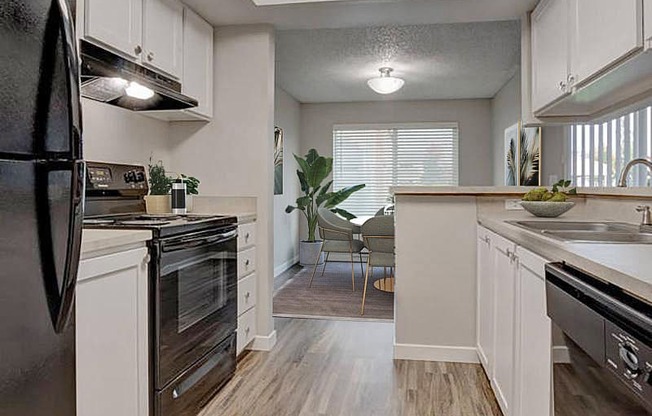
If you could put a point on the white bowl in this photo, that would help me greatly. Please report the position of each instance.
(547, 209)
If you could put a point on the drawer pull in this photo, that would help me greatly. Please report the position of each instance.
(247, 262)
(247, 237)
(247, 330)
(247, 295)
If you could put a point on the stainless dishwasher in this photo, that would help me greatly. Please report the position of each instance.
(608, 333)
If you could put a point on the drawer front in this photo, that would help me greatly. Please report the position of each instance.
(246, 235)
(246, 294)
(246, 329)
(246, 262)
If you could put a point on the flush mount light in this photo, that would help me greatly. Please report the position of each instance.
(385, 83)
(138, 91)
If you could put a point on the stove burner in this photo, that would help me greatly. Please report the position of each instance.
(144, 222)
(98, 221)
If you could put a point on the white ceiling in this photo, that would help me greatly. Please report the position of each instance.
(359, 13)
(443, 61)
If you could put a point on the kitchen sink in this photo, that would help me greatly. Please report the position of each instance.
(601, 237)
(588, 232)
(576, 226)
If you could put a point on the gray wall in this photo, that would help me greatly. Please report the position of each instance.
(233, 154)
(287, 115)
(505, 112)
(113, 134)
(473, 116)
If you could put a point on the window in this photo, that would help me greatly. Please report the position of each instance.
(598, 152)
(382, 156)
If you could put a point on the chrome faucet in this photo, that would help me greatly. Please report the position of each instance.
(622, 183)
(647, 215)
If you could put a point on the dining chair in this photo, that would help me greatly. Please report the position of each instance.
(378, 236)
(337, 236)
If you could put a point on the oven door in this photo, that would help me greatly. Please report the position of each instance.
(195, 287)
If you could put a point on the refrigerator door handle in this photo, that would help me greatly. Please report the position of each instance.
(61, 301)
(73, 67)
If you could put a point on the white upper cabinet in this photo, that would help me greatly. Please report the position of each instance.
(163, 36)
(550, 49)
(647, 23)
(115, 23)
(198, 62)
(604, 32)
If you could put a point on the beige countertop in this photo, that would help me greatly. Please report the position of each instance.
(512, 190)
(106, 241)
(626, 265)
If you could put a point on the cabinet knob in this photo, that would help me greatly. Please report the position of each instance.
(562, 86)
(247, 262)
(150, 56)
(571, 79)
(247, 237)
(138, 50)
(247, 295)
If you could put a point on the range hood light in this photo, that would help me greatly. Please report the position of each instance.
(120, 82)
(138, 91)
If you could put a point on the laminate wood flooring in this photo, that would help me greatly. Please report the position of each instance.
(326, 367)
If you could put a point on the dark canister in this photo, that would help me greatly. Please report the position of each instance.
(179, 196)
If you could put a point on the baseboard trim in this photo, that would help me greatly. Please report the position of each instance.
(560, 355)
(286, 266)
(264, 342)
(436, 353)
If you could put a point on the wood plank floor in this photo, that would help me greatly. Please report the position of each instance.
(345, 368)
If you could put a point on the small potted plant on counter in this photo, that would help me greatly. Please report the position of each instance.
(545, 203)
(313, 171)
(160, 184)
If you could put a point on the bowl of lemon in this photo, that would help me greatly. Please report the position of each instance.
(549, 203)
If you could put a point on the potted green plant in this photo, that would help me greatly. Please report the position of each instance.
(160, 184)
(313, 171)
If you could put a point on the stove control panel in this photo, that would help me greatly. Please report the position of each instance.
(115, 177)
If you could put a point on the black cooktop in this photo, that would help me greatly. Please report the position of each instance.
(161, 225)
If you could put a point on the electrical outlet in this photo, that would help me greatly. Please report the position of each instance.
(513, 205)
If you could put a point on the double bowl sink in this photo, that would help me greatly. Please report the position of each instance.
(589, 232)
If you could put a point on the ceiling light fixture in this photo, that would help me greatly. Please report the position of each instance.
(138, 91)
(386, 83)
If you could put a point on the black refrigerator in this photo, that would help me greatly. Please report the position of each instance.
(41, 206)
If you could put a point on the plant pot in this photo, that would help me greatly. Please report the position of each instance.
(188, 203)
(158, 204)
(309, 253)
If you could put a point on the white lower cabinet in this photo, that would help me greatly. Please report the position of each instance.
(247, 285)
(533, 338)
(112, 335)
(504, 299)
(514, 331)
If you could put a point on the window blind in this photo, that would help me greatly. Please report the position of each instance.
(382, 156)
(597, 153)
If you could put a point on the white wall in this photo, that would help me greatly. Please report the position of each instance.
(113, 134)
(505, 112)
(287, 115)
(233, 154)
(473, 116)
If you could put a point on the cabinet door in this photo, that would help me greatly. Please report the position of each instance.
(505, 279)
(550, 49)
(198, 62)
(533, 339)
(485, 315)
(116, 24)
(163, 36)
(112, 335)
(647, 23)
(604, 32)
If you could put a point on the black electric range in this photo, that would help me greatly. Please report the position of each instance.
(193, 287)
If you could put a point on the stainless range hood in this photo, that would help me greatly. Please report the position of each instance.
(106, 77)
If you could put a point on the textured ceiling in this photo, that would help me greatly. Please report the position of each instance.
(360, 13)
(443, 61)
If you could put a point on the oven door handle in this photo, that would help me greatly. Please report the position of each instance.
(187, 243)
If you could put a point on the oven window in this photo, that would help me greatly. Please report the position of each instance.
(202, 289)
